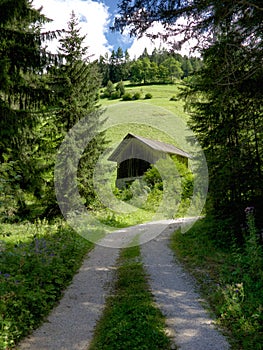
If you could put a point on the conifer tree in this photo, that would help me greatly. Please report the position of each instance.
(23, 93)
(77, 84)
(228, 121)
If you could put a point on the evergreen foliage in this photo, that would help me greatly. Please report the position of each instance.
(201, 16)
(77, 84)
(41, 97)
(115, 67)
(228, 121)
(24, 94)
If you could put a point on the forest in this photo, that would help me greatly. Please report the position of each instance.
(161, 66)
(44, 95)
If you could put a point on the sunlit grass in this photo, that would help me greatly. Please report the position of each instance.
(131, 320)
(230, 279)
(37, 262)
(161, 95)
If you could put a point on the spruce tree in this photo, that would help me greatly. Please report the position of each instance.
(23, 94)
(227, 117)
(77, 84)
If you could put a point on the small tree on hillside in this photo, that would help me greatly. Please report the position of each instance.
(121, 88)
(109, 89)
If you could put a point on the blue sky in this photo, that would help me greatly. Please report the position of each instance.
(114, 38)
(96, 16)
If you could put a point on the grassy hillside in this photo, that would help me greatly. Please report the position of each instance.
(161, 95)
(157, 118)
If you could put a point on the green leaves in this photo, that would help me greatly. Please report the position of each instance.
(36, 264)
(230, 276)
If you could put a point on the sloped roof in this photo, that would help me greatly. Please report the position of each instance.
(153, 144)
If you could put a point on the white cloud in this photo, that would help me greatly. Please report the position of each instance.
(139, 45)
(94, 20)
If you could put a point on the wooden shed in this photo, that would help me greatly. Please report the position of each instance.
(135, 154)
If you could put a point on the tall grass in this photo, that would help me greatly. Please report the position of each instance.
(230, 277)
(37, 262)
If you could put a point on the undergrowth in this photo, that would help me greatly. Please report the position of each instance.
(230, 277)
(37, 262)
(131, 320)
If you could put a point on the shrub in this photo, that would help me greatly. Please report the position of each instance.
(115, 95)
(109, 88)
(136, 96)
(153, 178)
(120, 87)
(174, 98)
(125, 194)
(127, 96)
(104, 95)
(148, 96)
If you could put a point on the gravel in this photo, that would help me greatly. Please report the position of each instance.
(188, 323)
(71, 324)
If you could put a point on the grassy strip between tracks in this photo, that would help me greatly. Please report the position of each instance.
(131, 320)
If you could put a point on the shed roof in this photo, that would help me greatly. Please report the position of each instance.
(153, 144)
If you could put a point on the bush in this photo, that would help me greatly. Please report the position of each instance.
(136, 96)
(104, 95)
(127, 97)
(109, 88)
(153, 178)
(174, 98)
(124, 194)
(115, 95)
(148, 96)
(120, 87)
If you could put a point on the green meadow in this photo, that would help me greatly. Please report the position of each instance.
(158, 118)
(161, 97)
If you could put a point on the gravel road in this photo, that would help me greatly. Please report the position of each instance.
(70, 325)
(174, 290)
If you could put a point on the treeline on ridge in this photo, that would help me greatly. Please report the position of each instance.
(161, 66)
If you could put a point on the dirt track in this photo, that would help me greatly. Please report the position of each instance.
(70, 325)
